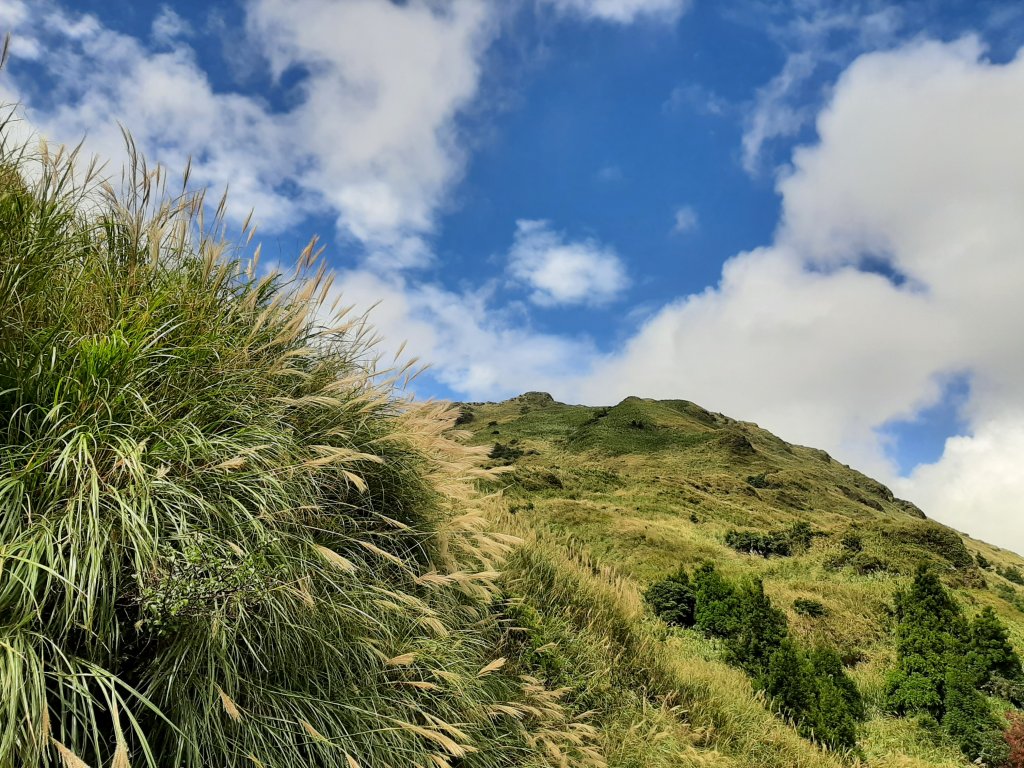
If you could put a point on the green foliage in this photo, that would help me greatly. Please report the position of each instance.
(938, 540)
(764, 544)
(814, 691)
(989, 653)
(943, 661)
(781, 543)
(225, 536)
(809, 607)
(717, 608)
(506, 453)
(811, 689)
(789, 681)
(762, 627)
(968, 719)
(928, 634)
(673, 599)
(1011, 573)
(852, 542)
(758, 481)
(982, 561)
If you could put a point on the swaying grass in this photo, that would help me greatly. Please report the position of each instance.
(225, 539)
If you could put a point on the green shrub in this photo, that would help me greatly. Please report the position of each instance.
(852, 542)
(814, 691)
(938, 540)
(717, 608)
(968, 719)
(930, 631)
(788, 681)
(1012, 573)
(758, 481)
(808, 607)
(989, 652)
(762, 627)
(982, 561)
(763, 544)
(673, 599)
(780, 543)
(506, 453)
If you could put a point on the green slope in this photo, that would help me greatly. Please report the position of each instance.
(616, 498)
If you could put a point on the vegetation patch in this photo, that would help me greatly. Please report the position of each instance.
(809, 687)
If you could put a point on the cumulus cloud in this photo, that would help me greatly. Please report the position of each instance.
(624, 11)
(478, 350)
(561, 272)
(916, 171)
(685, 219)
(977, 486)
(371, 134)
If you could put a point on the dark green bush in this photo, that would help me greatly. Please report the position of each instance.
(1012, 573)
(930, 623)
(808, 607)
(717, 610)
(989, 651)
(811, 689)
(673, 599)
(780, 543)
(762, 627)
(758, 481)
(982, 561)
(763, 544)
(506, 453)
(852, 542)
(938, 540)
(968, 719)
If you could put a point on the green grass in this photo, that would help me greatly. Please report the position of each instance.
(227, 540)
(636, 490)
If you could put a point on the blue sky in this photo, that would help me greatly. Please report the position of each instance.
(802, 213)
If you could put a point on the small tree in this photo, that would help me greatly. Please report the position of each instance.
(990, 653)
(968, 720)
(762, 628)
(789, 682)
(930, 623)
(717, 609)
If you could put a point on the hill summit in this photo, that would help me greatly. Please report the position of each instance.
(648, 493)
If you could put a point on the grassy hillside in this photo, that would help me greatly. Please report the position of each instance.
(611, 500)
(226, 538)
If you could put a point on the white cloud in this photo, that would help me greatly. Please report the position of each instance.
(685, 219)
(917, 167)
(977, 486)
(474, 348)
(774, 115)
(821, 33)
(624, 11)
(371, 134)
(560, 272)
(168, 27)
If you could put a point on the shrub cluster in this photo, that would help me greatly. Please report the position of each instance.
(808, 687)
(506, 453)
(781, 543)
(945, 661)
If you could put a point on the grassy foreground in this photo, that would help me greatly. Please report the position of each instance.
(226, 540)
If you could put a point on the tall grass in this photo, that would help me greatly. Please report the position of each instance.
(225, 538)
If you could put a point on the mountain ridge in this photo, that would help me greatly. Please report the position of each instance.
(646, 487)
